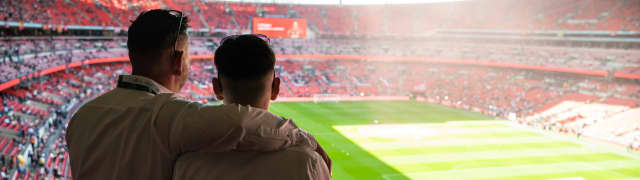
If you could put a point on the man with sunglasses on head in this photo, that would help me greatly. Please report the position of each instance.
(139, 129)
(246, 76)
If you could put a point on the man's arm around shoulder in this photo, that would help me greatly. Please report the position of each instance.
(189, 127)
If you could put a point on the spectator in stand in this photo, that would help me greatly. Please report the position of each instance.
(246, 76)
(138, 130)
(4, 174)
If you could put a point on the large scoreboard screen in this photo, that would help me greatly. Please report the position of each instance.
(280, 27)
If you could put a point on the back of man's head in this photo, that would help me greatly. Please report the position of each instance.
(245, 65)
(154, 34)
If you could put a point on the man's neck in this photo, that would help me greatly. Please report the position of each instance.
(166, 82)
(264, 106)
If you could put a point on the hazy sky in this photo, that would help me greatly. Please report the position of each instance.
(344, 1)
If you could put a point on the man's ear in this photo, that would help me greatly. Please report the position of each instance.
(176, 62)
(217, 88)
(275, 88)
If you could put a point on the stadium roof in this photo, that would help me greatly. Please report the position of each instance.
(343, 2)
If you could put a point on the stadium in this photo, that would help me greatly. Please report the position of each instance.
(471, 89)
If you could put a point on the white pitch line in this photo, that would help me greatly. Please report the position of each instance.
(397, 132)
(448, 124)
(452, 142)
(483, 155)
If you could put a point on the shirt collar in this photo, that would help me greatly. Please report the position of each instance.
(150, 84)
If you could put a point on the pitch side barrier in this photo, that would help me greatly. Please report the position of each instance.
(14, 82)
(467, 107)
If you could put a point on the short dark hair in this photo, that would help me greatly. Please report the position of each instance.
(155, 30)
(245, 57)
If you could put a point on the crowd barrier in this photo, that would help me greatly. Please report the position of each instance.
(14, 82)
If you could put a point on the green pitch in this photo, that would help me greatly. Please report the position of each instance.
(414, 140)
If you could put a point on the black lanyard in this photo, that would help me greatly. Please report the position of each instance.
(135, 86)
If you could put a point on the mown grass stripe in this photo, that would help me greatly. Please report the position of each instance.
(482, 155)
(475, 148)
(452, 142)
(524, 170)
(611, 174)
(513, 161)
(390, 137)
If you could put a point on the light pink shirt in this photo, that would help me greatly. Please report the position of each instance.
(133, 134)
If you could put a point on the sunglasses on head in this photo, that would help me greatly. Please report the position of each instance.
(180, 15)
(233, 37)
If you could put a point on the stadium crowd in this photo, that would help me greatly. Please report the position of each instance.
(574, 58)
(535, 15)
(25, 57)
(22, 57)
(38, 150)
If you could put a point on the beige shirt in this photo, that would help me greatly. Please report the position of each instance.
(290, 164)
(129, 133)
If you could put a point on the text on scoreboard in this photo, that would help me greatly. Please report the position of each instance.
(280, 27)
